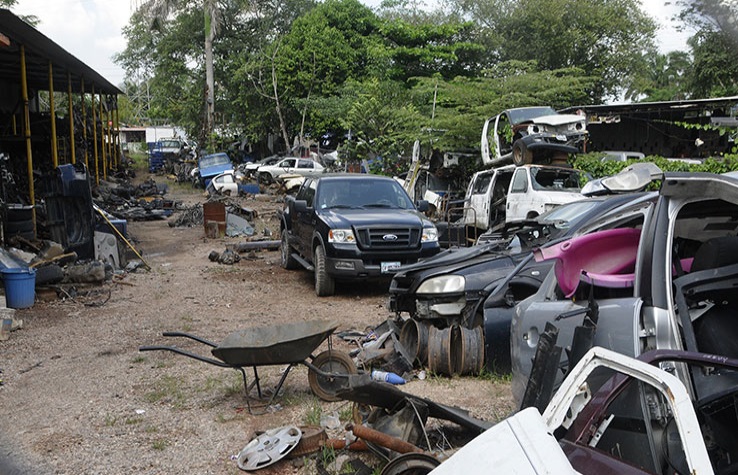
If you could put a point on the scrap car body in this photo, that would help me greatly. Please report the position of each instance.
(532, 134)
(613, 415)
(210, 166)
(628, 293)
(509, 194)
(455, 287)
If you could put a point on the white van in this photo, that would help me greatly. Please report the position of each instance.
(508, 194)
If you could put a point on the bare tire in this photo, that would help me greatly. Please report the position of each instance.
(521, 154)
(339, 365)
(325, 286)
(287, 261)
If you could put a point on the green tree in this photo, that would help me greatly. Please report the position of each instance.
(11, 5)
(605, 38)
(665, 77)
(714, 71)
(455, 110)
(714, 46)
(384, 124)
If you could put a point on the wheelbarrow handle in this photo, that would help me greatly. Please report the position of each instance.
(186, 353)
(191, 337)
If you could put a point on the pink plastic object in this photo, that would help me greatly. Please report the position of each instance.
(607, 257)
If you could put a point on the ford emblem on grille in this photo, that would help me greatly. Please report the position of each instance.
(389, 237)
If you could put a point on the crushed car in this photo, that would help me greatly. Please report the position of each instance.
(650, 277)
(532, 135)
(209, 166)
(616, 415)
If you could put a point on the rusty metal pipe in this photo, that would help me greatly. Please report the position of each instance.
(340, 444)
(386, 441)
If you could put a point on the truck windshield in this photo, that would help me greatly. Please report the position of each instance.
(521, 115)
(555, 179)
(363, 194)
(214, 160)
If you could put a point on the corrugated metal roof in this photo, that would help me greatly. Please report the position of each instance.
(39, 51)
(652, 107)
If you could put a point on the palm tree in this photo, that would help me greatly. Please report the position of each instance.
(157, 12)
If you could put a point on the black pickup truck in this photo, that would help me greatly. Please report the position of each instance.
(353, 227)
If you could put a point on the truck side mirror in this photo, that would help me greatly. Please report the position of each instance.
(300, 206)
(422, 205)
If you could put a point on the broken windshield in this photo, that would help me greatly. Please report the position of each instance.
(556, 179)
(521, 115)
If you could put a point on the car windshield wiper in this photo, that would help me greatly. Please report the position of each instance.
(379, 205)
(340, 206)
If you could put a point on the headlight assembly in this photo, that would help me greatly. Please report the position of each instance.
(445, 284)
(429, 234)
(341, 236)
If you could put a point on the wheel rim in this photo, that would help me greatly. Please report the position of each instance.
(338, 363)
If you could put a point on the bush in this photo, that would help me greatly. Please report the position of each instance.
(592, 163)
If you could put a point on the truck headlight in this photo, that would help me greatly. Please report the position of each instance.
(341, 236)
(429, 234)
(445, 284)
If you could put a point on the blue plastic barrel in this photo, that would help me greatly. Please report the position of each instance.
(20, 287)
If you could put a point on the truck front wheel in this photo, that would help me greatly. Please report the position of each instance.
(521, 154)
(325, 286)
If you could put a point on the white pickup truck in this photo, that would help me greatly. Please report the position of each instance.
(510, 193)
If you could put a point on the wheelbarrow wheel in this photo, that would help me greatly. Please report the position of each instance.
(334, 362)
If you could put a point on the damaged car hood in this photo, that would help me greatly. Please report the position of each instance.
(555, 120)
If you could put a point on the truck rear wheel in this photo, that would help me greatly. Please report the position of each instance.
(325, 286)
(521, 154)
(288, 262)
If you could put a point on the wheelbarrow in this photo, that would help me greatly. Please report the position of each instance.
(289, 344)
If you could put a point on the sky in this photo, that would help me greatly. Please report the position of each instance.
(91, 29)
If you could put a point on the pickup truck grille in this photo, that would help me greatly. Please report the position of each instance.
(380, 238)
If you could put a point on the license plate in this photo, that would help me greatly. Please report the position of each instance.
(387, 267)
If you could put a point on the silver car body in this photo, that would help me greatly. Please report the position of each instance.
(690, 210)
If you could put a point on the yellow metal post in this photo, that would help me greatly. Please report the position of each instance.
(54, 148)
(116, 133)
(94, 139)
(27, 130)
(84, 123)
(102, 140)
(109, 131)
(71, 117)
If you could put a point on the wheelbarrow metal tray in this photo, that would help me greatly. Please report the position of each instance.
(279, 344)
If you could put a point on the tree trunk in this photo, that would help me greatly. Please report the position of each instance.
(209, 80)
(278, 106)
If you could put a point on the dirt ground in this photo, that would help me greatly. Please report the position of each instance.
(79, 398)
